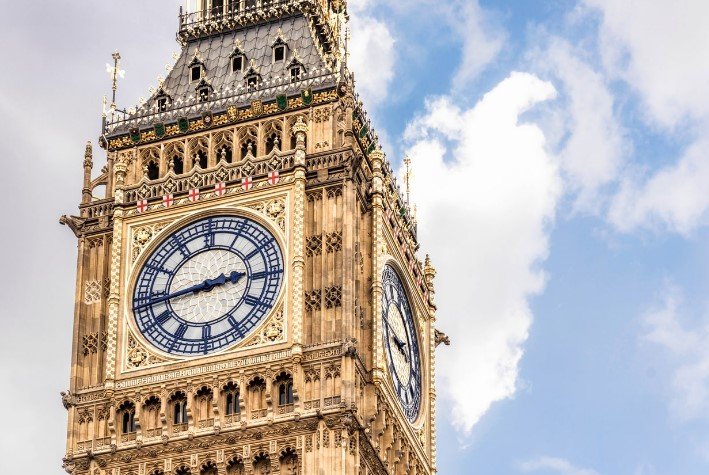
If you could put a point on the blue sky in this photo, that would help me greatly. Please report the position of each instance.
(575, 287)
(561, 176)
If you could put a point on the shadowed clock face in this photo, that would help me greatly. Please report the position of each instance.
(207, 285)
(401, 343)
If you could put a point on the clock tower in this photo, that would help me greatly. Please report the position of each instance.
(249, 298)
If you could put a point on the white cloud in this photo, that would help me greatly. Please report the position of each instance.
(659, 48)
(688, 347)
(372, 56)
(675, 197)
(591, 137)
(555, 465)
(486, 194)
(482, 40)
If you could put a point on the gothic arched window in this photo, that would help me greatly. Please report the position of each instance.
(209, 468)
(201, 159)
(284, 383)
(153, 171)
(203, 404)
(248, 147)
(257, 398)
(127, 417)
(272, 142)
(262, 464)
(231, 399)
(288, 462)
(178, 165)
(235, 466)
(179, 408)
(183, 470)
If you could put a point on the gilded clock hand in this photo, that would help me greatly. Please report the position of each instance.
(206, 286)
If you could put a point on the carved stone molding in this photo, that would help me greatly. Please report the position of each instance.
(137, 356)
(273, 331)
(274, 210)
(144, 235)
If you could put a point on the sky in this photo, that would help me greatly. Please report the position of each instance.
(561, 178)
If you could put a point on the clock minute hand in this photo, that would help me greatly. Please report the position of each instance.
(205, 286)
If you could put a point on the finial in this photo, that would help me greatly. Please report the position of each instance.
(89, 152)
(116, 73)
(407, 179)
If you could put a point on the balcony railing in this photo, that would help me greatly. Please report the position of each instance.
(97, 209)
(102, 442)
(177, 428)
(235, 12)
(129, 437)
(148, 114)
(232, 419)
(150, 433)
(206, 423)
(332, 401)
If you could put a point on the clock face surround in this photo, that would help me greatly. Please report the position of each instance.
(401, 343)
(206, 286)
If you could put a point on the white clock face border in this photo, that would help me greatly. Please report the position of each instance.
(401, 343)
(207, 285)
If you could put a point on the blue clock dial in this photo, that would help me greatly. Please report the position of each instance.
(401, 343)
(208, 285)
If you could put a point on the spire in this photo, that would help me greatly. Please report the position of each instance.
(88, 166)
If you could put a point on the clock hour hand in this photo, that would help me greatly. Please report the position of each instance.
(401, 345)
(206, 286)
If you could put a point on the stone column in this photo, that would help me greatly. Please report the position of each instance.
(120, 170)
(300, 130)
(429, 273)
(378, 251)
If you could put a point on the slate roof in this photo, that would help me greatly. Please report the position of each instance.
(229, 88)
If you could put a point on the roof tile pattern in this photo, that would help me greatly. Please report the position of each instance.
(230, 88)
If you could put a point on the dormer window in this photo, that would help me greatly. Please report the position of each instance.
(237, 63)
(279, 54)
(196, 72)
(252, 82)
(295, 74)
(204, 90)
(280, 50)
(162, 101)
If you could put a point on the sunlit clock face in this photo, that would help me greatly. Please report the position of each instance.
(208, 285)
(401, 343)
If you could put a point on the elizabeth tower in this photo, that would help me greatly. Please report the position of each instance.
(248, 298)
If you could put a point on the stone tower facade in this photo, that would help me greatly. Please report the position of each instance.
(249, 300)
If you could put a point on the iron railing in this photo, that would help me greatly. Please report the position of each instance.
(147, 115)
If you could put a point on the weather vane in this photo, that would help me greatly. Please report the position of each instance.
(115, 73)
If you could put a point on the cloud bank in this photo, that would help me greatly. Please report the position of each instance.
(486, 191)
